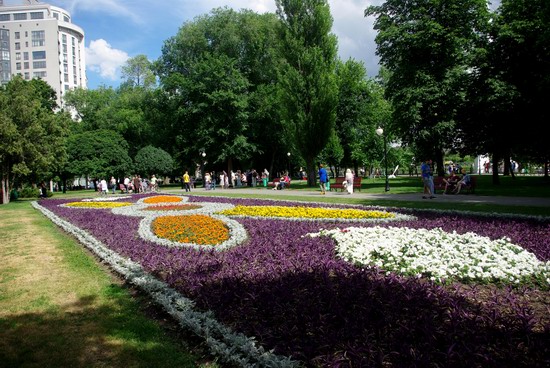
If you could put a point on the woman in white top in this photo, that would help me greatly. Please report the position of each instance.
(207, 181)
(349, 180)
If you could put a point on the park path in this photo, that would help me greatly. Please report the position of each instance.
(462, 198)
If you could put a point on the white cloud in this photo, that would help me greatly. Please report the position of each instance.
(104, 60)
(355, 32)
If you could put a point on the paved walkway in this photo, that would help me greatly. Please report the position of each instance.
(463, 198)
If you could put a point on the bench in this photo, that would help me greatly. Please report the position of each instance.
(471, 187)
(339, 183)
(276, 181)
(439, 184)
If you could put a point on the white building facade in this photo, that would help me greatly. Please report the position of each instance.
(39, 41)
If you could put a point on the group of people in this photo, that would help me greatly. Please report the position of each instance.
(324, 181)
(136, 184)
(284, 182)
(235, 179)
(453, 183)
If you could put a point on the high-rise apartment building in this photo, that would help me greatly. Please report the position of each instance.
(39, 41)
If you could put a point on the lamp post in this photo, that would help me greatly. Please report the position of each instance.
(380, 132)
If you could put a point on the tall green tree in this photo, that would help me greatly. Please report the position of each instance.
(332, 154)
(428, 46)
(31, 134)
(507, 114)
(138, 72)
(218, 73)
(98, 154)
(308, 88)
(354, 113)
(124, 110)
(152, 160)
(90, 106)
(521, 52)
(366, 147)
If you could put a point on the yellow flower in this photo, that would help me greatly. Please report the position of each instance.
(306, 212)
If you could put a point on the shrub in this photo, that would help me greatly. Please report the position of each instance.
(29, 192)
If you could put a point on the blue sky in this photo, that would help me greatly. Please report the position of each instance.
(117, 30)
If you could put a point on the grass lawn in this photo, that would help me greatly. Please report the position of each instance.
(60, 308)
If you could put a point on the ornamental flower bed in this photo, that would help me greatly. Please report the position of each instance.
(290, 286)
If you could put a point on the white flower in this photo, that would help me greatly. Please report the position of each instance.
(436, 254)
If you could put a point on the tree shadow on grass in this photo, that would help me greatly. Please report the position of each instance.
(83, 334)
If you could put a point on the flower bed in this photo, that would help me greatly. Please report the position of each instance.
(303, 298)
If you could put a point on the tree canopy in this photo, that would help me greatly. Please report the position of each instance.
(31, 134)
(428, 47)
(98, 154)
(153, 161)
(138, 72)
(308, 88)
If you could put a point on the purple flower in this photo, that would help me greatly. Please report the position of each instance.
(295, 296)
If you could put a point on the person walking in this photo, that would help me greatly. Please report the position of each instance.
(207, 181)
(349, 181)
(154, 185)
(323, 178)
(137, 183)
(127, 183)
(213, 180)
(104, 187)
(265, 177)
(427, 179)
(113, 184)
(186, 181)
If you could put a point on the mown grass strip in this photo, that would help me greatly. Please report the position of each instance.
(60, 308)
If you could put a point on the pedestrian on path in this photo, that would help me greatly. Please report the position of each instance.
(186, 181)
(323, 178)
(427, 179)
(349, 181)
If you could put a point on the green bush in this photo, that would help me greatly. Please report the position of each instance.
(14, 194)
(29, 192)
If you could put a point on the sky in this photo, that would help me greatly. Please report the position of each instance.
(116, 30)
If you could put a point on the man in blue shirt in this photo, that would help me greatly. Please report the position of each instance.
(323, 178)
(427, 178)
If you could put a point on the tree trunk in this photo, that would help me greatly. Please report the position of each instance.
(229, 165)
(507, 167)
(440, 168)
(4, 189)
(496, 159)
(311, 173)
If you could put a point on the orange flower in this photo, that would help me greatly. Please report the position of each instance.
(162, 199)
(197, 229)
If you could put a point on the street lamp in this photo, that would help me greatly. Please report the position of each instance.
(380, 132)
